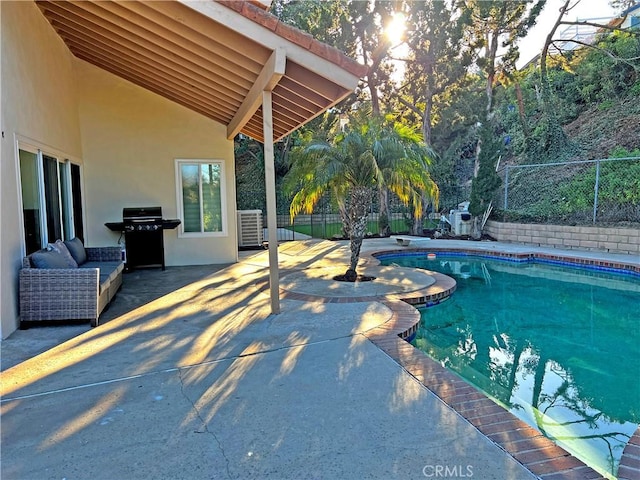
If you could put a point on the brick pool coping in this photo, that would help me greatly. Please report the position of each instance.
(526, 444)
(531, 448)
(574, 259)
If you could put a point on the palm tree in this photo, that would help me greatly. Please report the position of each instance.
(371, 153)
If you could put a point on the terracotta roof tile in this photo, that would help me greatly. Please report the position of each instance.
(259, 4)
(293, 35)
(256, 14)
(232, 4)
(259, 16)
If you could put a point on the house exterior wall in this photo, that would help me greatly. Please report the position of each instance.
(125, 138)
(131, 138)
(39, 102)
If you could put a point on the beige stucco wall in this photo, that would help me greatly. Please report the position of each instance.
(131, 138)
(125, 138)
(39, 102)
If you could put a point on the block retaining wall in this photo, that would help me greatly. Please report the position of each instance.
(607, 239)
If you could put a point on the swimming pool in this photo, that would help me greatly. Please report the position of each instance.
(557, 346)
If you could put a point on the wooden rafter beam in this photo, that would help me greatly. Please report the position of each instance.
(269, 77)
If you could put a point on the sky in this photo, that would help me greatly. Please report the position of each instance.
(532, 44)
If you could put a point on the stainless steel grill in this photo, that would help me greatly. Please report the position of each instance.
(143, 229)
(143, 236)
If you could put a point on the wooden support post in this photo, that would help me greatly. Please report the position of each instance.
(270, 182)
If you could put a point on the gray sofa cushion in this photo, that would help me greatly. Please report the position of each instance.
(105, 267)
(109, 271)
(48, 259)
(62, 249)
(76, 249)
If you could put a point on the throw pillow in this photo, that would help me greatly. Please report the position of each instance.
(62, 249)
(76, 249)
(48, 259)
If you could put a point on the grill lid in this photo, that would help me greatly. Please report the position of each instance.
(141, 214)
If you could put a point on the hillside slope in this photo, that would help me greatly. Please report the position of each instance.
(602, 128)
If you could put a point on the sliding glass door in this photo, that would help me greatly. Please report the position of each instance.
(51, 199)
(31, 204)
(52, 196)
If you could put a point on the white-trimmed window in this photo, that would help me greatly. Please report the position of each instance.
(201, 198)
(51, 197)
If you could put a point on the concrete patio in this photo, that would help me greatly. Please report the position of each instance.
(190, 376)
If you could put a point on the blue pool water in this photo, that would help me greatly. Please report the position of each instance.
(557, 346)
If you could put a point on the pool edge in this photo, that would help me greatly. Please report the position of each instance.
(537, 453)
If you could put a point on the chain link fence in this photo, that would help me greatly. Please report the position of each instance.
(603, 192)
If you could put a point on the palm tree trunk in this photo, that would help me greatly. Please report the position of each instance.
(360, 201)
(418, 224)
(385, 219)
(344, 218)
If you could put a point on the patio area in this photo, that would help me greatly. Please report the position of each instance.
(190, 376)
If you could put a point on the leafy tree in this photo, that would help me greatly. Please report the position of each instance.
(437, 58)
(454, 135)
(369, 19)
(496, 22)
(622, 4)
(356, 27)
(326, 20)
(556, 142)
(487, 182)
(371, 152)
(608, 69)
(250, 180)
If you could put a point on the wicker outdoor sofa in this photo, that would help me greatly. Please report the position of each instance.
(51, 290)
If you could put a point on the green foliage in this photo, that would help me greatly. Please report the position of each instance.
(250, 185)
(617, 187)
(621, 152)
(440, 89)
(485, 185)
(354, 27)
(566, 193)
(455, 134)
(578, 82)
(568, 100)
(371, 153)
(600, 75)
(605, 105)
(326, 20)
(438, 57)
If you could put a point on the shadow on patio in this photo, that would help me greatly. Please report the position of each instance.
(204, 383)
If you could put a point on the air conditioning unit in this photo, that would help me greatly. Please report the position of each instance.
(460, 223)
(250, 228)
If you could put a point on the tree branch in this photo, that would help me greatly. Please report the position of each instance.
(391, 57)
(603, 50)
(560, 51)
(411, 107)
(600, 25)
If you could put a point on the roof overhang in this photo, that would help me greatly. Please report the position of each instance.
(215, 58)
